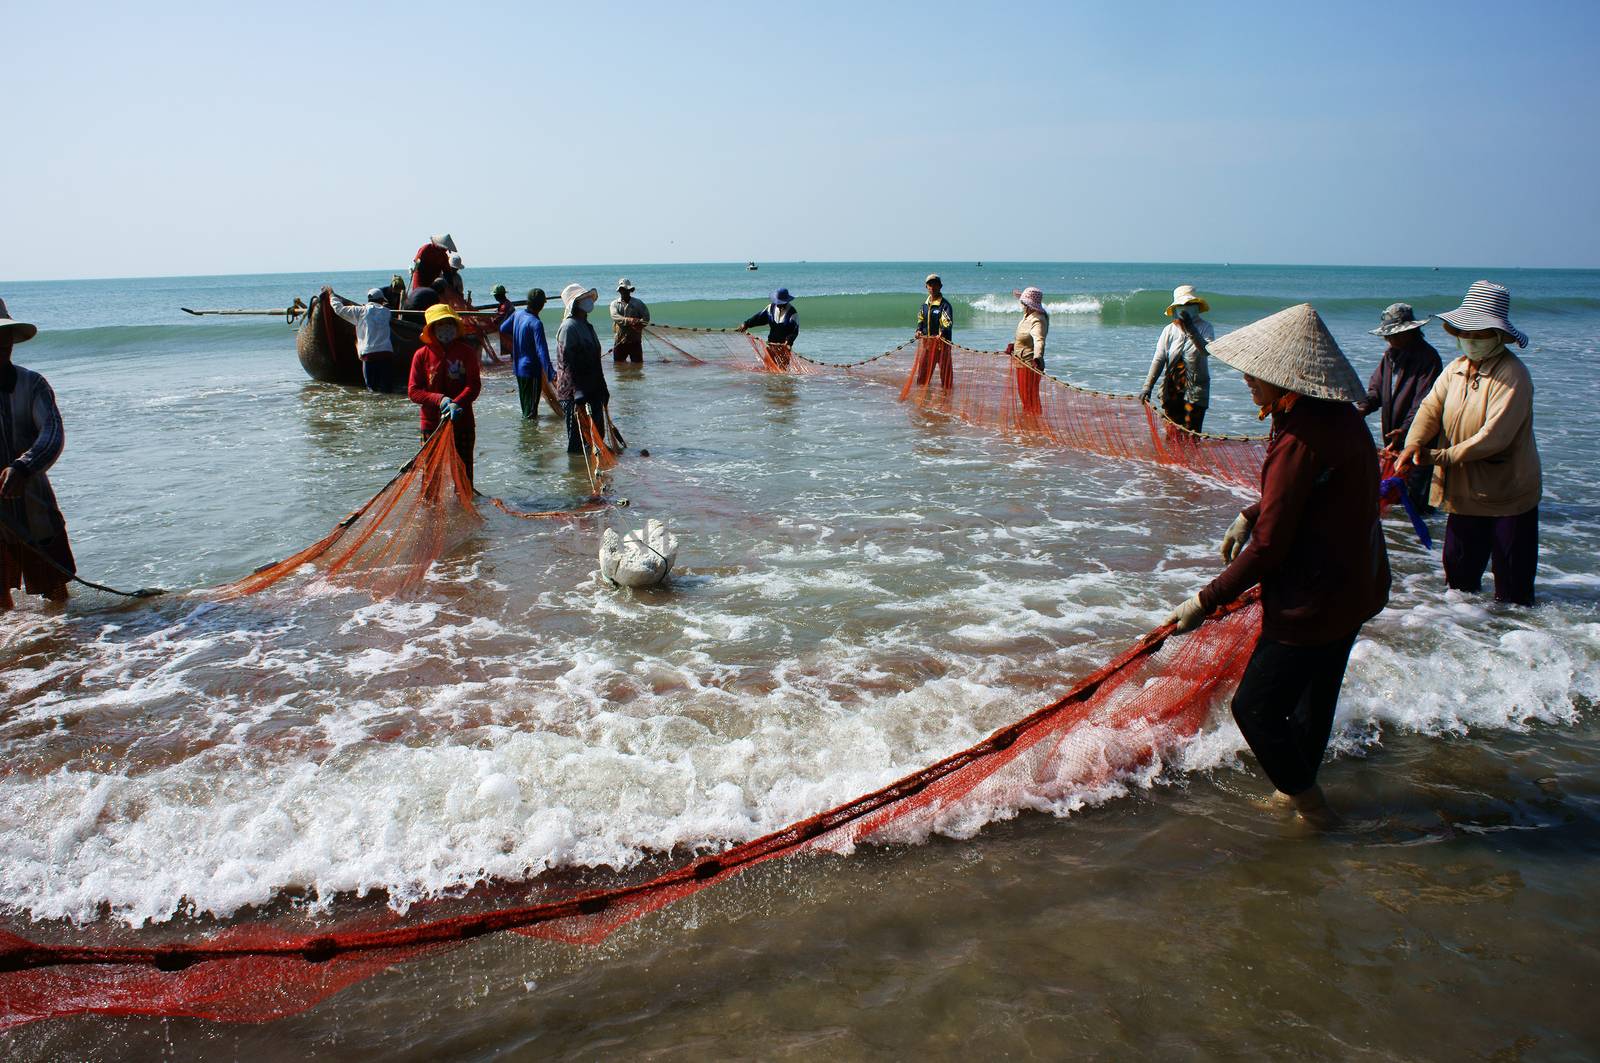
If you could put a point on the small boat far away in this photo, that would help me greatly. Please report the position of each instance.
(751, 266)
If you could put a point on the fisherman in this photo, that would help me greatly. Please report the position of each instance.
(783, 325)
(445, 381)
(34, 552)
(1313, 542)
(1181, 355)
(1475, 426)
(1404, 376)
(454, 287)
(530, 355)
(374, 337)
(934, 321)
(1027, 347)
(629, 316)
(503, 309)
(430, 260)
(580, 378)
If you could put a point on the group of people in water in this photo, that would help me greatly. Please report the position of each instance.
(1459, 436)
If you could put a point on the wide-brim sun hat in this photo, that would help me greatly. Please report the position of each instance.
(1294, 350)
(1487, 305)
(1398, 317)
(455, 261)
(1185, 295)
(16, 331)
(1032, 298)
(782, 297)
(436, 313)
(573, 292)
(624, 285)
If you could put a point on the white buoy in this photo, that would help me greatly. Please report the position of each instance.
(639, 558)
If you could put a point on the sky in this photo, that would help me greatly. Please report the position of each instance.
(191, 139)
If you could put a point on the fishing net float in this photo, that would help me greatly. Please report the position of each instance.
(1131, 713)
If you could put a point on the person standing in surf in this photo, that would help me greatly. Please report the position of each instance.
(374, 337)
(430, 261)
(1475, 427)
(1313, 542)
(580, 378)
(1404, 376)
(1181, 355)
(1027, 347)
(783, 326)
(445, 381)
(629, 316)
(530, 355)
(35, 554)
(935, 325)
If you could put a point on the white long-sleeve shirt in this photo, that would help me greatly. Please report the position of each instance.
(373, 335)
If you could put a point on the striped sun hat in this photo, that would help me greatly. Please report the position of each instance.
(1486, 306)
(1032, 298)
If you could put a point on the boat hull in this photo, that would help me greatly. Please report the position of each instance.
(326, 344)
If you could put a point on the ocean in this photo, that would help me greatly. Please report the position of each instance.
(862, 589)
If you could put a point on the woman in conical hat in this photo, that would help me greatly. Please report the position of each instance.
(1475, 427)
(1312, 542)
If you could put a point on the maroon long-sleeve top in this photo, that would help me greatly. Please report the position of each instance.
(444, 373)
(1316, 545)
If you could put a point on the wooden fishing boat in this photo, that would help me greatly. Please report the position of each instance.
(326, 344)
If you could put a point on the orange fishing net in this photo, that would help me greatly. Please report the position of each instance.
(1127, 715)
(726, 347)
(387, 545)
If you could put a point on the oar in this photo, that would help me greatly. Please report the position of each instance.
(245, 313)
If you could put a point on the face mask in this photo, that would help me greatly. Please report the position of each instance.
(585, 304)
(445, 334)
(1477, 348)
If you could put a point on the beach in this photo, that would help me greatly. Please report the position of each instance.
(862, 589)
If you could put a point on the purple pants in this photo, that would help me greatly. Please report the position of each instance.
(1510, 543)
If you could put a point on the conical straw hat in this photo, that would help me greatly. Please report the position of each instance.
(1292, 349)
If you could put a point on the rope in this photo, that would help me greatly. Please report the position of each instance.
(322, 948)
(17, 537)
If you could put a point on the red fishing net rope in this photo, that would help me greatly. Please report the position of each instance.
(1125, 716)
(728, 347)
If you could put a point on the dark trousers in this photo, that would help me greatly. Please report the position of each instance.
(575, 443)
(1511, 544)
(466, 438)
(629, 347)
(379, 372)
(1284, 707)
(528, 394)
(1181, 413)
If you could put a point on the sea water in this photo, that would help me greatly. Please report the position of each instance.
(862, 589)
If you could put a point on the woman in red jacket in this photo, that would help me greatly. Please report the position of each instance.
(445, 380)
(1313, 543)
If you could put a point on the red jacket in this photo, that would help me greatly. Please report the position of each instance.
(431, 260)
(1316, 545)
(438, 373)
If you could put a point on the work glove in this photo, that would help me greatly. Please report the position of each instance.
(1235, 537)
(447, 409)
(1188, 615)
(1144, 396)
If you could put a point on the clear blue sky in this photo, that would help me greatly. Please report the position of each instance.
(178, 138)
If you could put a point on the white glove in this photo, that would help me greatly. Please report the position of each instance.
(1188, 615)
(1235, 537)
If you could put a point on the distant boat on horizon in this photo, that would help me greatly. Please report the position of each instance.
(751, 266)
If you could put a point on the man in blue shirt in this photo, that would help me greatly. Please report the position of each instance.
(530, 355)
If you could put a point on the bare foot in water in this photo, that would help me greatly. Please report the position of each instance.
(1311, 806)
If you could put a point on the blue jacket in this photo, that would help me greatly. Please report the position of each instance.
(530, 354)
(931, 322)
(783, 323)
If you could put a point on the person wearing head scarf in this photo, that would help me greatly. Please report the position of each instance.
(629, 316)
(374, 337)
(580, 378)
(783, 326)
(1181, 355)
(1027, 346)
(530, 355)
(1313, 543)
(935, 325)
(1475, 427)
(445, 381)
(1405, 373)
(34, 551)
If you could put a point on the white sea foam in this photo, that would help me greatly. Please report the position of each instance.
(1007, 304)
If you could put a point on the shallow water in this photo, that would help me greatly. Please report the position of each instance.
(862, 589)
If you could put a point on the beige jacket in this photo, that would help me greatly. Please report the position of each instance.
(1485, 461)
(1029, 340)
